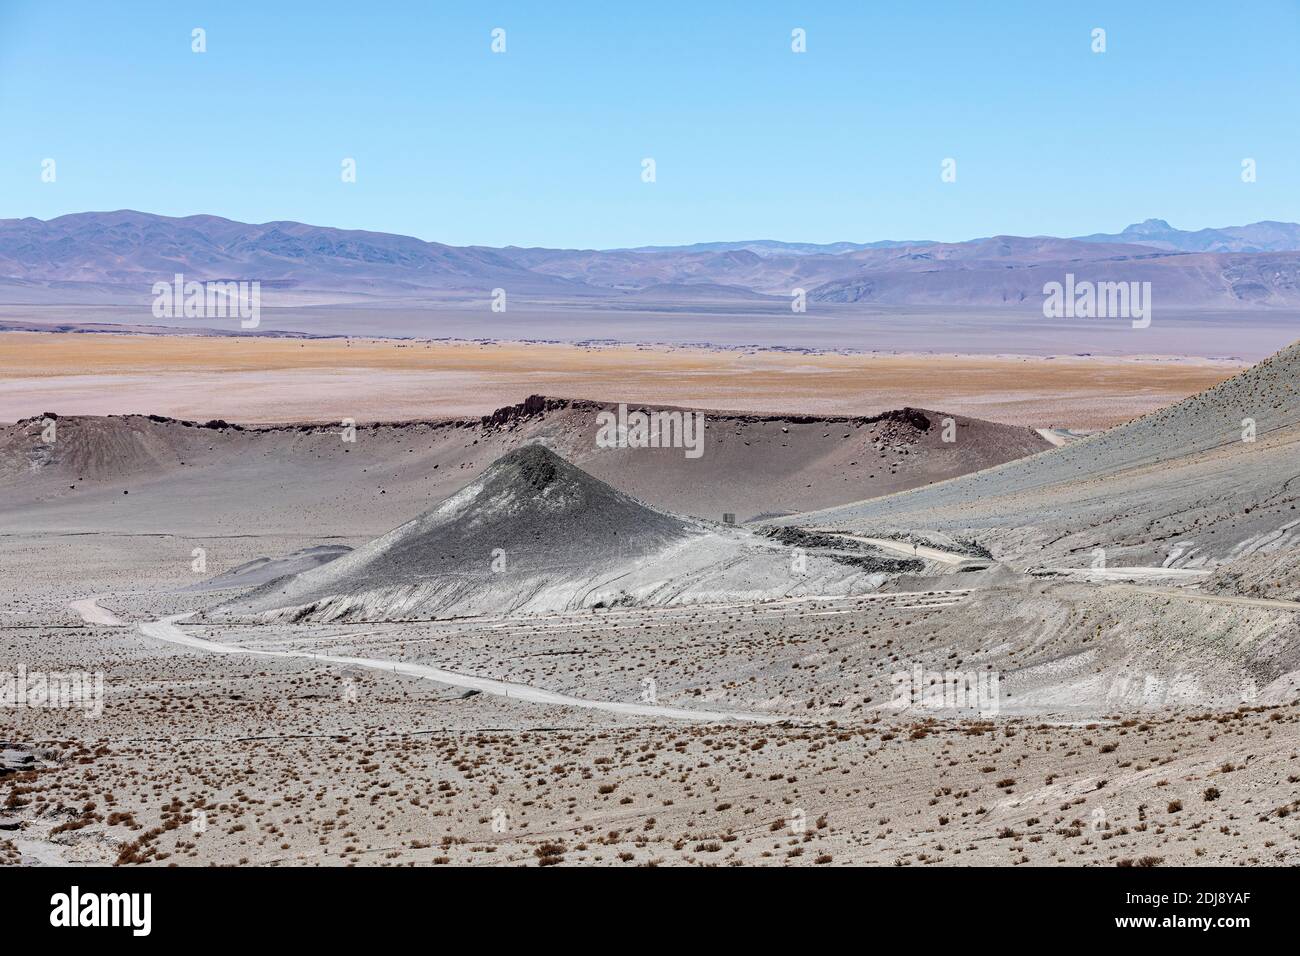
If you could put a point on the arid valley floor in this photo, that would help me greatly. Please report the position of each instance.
(274, 379)
(473, 639)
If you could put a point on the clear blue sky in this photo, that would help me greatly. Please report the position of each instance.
(543, 145)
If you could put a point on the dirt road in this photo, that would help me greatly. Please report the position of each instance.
(166, 630)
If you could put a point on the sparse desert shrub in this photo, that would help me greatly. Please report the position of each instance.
(549, 854)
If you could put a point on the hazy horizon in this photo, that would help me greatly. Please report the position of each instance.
(701, 241)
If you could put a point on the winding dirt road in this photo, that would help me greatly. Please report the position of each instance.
(92, 613)
(166, 630)
(1270, 604)
(912, 550)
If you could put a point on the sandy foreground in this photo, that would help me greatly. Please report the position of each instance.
(265, 379)
(288, 759)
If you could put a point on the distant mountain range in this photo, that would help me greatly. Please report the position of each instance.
(1267, 236)
(115, 257)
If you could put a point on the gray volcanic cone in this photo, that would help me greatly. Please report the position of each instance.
(532, 531)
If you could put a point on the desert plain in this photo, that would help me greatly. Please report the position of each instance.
(465, 632)
(265, 379)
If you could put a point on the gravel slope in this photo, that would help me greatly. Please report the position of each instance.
(1177, 487)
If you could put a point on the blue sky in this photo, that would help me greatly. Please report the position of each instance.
(543, 145)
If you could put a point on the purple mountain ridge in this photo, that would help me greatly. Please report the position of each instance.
(112, 257)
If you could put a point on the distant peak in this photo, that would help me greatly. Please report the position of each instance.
(1148, 227)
